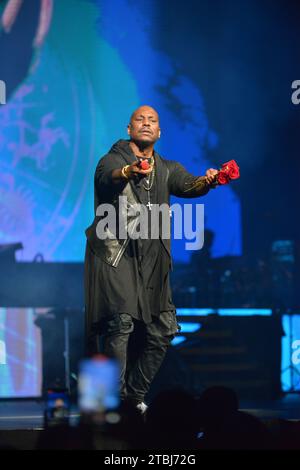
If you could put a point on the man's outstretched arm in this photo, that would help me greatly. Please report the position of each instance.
(184, 184)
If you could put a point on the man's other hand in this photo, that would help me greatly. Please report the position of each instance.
(211, 175)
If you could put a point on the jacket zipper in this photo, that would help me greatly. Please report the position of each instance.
(122, 249)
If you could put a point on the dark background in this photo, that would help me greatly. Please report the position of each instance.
(247, 56)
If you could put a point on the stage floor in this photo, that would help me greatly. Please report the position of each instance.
(22, 423)
(28, 414)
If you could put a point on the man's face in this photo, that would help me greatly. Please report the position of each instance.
(144, 126)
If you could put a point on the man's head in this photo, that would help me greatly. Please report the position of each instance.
(144, 126)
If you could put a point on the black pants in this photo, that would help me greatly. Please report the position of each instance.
(139, 349)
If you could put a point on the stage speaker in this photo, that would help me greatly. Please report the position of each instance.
(62, 347)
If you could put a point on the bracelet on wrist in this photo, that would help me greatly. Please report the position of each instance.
(123, 171)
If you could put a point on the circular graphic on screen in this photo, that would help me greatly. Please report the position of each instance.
(47, 150)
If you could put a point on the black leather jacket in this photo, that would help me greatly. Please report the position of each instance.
(172, 179)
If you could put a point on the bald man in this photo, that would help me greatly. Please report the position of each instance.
(130, 314)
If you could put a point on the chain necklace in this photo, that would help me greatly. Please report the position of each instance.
(150, 181)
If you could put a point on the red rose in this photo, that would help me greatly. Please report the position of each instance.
(231, 169)
(144, 165)
(223, 177)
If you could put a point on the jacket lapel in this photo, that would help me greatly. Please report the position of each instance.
(129, 158)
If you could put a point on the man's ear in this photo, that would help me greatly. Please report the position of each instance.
(159, 133)
(128, 129)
